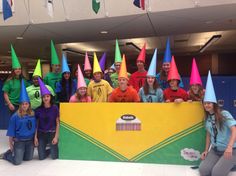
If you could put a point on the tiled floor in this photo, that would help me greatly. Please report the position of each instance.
(88, 168)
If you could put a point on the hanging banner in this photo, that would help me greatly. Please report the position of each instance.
(166, 133)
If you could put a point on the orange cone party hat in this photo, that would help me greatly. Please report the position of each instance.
(173, 73)
(142, 54)
(123, 69)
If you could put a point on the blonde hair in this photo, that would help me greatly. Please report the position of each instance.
(29, 111)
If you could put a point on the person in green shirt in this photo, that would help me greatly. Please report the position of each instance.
(34, 90)
(12, 85)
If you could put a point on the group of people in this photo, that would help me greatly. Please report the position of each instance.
(35, 114)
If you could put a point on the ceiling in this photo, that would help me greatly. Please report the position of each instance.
(189, 29)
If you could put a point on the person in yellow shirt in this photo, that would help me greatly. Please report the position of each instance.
(98, 89)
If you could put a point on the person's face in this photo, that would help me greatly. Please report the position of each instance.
(87, 73)
(195, 88)
(17, 71)
(66, 75)
(97, 76)
(123, 82)
(76, 73)
(140, 65)
(173, 83)
(150, 80)
(82, 91)
(35, 81)
(25, 106)
(56, 68)
(209, 107)
(46, 99)
(166, 67)
(110, 71)
(117, 66)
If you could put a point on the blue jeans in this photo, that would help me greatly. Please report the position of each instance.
(22, 150)
(45, 138)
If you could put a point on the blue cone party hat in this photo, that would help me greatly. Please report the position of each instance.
(153, 65)
(210, 95)
(23, 93)
(102, 61)
(43, 89)
(65, 67)
(167, 55)
(113, 66)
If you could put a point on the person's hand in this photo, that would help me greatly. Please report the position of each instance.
(203, 155)
(228, 153)
(11, 107)
(168, 101)
(54, 141)
(179, 100)
(36, 142)
(190, 101)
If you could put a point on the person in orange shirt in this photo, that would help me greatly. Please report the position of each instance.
(124, 93)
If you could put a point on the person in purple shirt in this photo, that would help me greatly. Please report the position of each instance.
(47, 116)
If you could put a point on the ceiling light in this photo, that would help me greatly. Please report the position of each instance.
(104, 32)
(19, 38)
(213, 39)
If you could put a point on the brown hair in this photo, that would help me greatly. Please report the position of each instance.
(218, 116)
(78, 96)
(163, 75)
(29, 111)
(146, 86)
(196, 97)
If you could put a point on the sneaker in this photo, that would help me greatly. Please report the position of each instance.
(6, 153)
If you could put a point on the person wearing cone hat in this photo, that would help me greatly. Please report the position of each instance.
(12, 85)
(163, 74)
(174, 93)
(151, 92)
(47, 131)
(87, 69)
(21, 130)
(81, 92)
(137, 79)
(219, 156)
(66, 87)
(124, 93)
(34, 90)
(196, 91)
(117, 64)
(98, 89)
(54, 76)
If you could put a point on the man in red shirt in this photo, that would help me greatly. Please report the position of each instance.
(124, 93)
(137, 79)
(174, 93)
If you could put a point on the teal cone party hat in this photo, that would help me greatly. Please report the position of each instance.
(153, 65)
(65, 67)
(210, 95)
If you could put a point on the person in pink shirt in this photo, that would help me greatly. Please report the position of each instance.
(81, 92)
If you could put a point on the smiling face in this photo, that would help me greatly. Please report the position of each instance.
(35, 80)
(173, 83)
(140, 65)
(56, 68)
(150, 80)
(166, 67)
(25, 106)
(82, 91)
(117, 66)
(17, 71)
(97, 76)
(209, 107)
(195, 88)
(66, 75)
(46, 99)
